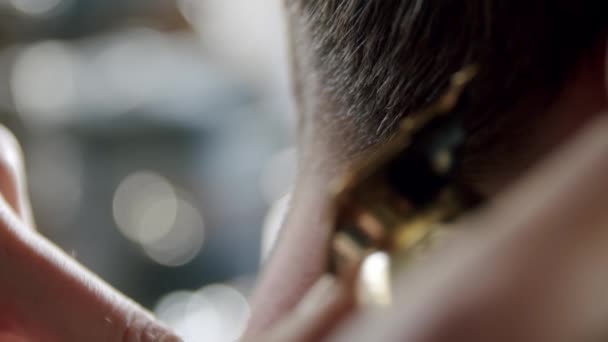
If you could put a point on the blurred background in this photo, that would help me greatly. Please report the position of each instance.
(158, 142)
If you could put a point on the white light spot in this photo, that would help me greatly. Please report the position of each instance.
(43, 82)
(145, 207)
(36, 7)
(375, 287)
(215, 313)
(232, 307)
(247, 35)
(171, 309)
(184, 240)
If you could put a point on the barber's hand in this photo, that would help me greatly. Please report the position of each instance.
(531, 266)
(44, 294)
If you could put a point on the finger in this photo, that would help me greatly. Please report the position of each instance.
(532, 268)
(49, 297)
(12, 176)
(300, 256)
(323, 306)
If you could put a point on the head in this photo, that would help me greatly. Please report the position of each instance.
(359, 66)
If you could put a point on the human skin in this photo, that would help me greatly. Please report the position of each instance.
(549, 229)
(300, 257)
(44, 294)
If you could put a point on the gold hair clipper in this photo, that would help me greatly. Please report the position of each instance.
(392, 204)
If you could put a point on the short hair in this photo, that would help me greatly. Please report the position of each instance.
(376, 61)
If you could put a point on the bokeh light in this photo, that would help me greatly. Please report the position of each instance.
(145, 207)
(245, 35)
(148, 211)
(183, 242)
(36, 7)
(216, 313)
(43, 82)
(156, 135)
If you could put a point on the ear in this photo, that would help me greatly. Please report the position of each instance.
(13, 186)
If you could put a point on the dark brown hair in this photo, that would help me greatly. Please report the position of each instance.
(375, 61)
